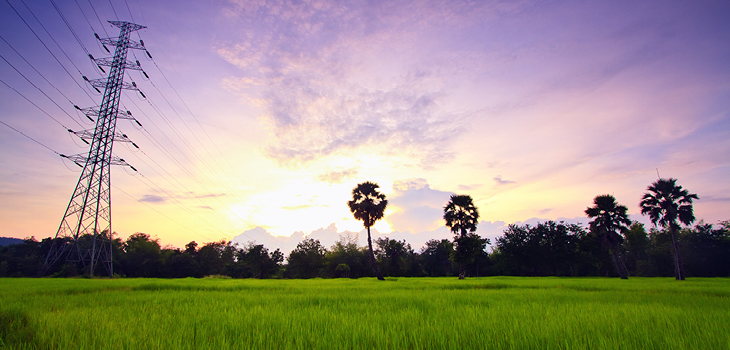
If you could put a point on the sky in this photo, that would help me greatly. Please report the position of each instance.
(260, 117)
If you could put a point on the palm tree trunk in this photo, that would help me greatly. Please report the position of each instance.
(374, 263)
(622, 263)
(678, 273)
(619, 267)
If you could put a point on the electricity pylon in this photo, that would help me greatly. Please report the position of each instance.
(85, 234)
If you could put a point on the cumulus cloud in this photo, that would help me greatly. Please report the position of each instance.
(417, 206)
(326, 235)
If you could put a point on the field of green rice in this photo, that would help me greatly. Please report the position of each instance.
(407, 313)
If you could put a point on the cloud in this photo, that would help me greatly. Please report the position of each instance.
(326, 235)
(298, 207)
(417, 206)
(337, 176)
(326, 76)
(715, 199)
(210, 195)
(469, 187)
(501, 182)
(311, 123)
(150, 198)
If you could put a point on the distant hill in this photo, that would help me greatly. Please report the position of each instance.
(5, 241)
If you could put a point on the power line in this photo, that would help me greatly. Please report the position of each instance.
(39, 89)
(68, 25)
(32, 139)
(44, 28)
(159, 212)
(47, 48)
(98, 18)
(130, 11)
(119, 189)
(31, 102)
(36, 70)
(84, 14)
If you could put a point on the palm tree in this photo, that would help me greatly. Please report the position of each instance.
(461, 217)
(665, 203)
(368, 205)
(609, 224)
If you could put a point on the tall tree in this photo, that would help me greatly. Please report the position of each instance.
(610, 221)
(461, 217)
(307, 260)
(667, 203)
(436, 256)
(368, 205)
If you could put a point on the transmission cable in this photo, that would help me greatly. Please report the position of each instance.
(30, 138)
(98, 18)
(159, 212)
(36, 106)
(48, 49)
(36, 70)
(68, 25)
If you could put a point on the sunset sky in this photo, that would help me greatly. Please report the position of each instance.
(261, 116)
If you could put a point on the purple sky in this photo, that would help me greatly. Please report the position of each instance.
(263, 115)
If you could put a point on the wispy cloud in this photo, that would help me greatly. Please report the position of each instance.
(324, 73)
(208, 195)
(469, 187)
(150, 198)
(501, 182)
(298, 207)
(337, 176)
(715, 199)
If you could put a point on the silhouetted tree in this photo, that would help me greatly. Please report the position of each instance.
(141, 257)
(707, 250)
(216, 258)
(609, 223)
(462, 217)
(345, 251)
(667, 203)
(547, 249)
(307, 260)
(259, 262)
(436, 257)
(469, 249)
(368, 205)
(637, 244)
(396, 258)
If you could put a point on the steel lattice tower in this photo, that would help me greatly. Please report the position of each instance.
(85, 234)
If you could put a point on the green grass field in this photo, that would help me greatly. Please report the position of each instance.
(407, 313)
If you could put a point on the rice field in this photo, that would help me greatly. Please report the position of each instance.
(405, 313)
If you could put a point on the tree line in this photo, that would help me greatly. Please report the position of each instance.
(611, 245)
(545, 249)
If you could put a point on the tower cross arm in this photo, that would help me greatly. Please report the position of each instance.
(101, 83)
(115, 42)
(109, 61)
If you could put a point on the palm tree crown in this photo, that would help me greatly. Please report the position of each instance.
(666, 202)
(461, 215)
(367, 203)
(609, 217)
